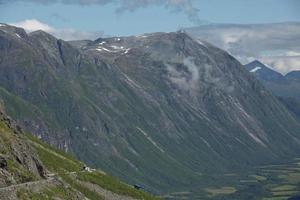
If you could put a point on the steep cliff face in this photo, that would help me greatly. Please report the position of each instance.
(18, 161)
(163, 107)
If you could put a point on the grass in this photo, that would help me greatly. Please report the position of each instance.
(114, 185)
(28, 195)
(284, 193)
(276, 182)
(60, 152)
(87, 192)
(275, 198)
(60, 192)
(6, 135)
(284, 188)
(62, 163)
(55, 163)
(54, 192)
(291, 177)
(220, 191)
(55, 160)
(258, 177)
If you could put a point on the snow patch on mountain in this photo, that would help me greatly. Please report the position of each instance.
(114, 49)
(117, 47)
(102, 43)
(104, 49)
(141, 36)
(18, 35)
(126, 51)
(255, 69)
(201, 43)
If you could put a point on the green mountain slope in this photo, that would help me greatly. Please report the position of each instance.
(31, 169)
(159, 109)
(292, 104)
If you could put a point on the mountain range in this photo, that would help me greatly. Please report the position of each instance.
(158, 109)
(285, 87)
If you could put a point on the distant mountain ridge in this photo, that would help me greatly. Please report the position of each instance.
(282, 85)
(263, 72)
(159, 109)
(293, 75)
(287, 87)
(276, 44)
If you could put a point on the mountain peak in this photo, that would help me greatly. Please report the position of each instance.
(12, 30)
(42, 34)
(262, 71)
(258, 63)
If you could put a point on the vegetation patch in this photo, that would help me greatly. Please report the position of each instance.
(284, 187)
(20, 174)
(87, 192)
(291, 177)
(220, 191)
(114, 185)
(258, 177)
(55, 160)
(276, 198)
(284, 193)
(54, 150)
(55, 192)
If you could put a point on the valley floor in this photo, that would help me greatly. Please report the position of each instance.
(272, 182)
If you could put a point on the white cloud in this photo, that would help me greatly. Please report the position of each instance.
(292, 53)
(277, 44)
(283, 64)
(31, 25)
(186, 80)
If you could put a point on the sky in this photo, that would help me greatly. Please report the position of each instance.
(132, 17)
(277, 45)
(91, 19)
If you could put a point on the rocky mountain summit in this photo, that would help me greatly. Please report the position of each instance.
(159, 109)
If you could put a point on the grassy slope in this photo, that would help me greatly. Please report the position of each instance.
(292, 104)
(64, 165)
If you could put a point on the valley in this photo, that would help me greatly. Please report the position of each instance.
(162, 110)
(270, 182)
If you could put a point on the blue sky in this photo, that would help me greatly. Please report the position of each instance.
(148, 18)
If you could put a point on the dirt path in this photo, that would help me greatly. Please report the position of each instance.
(27, 184)
(10, 192)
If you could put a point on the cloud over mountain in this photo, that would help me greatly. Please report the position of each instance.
(63, 33)
(277, 45)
